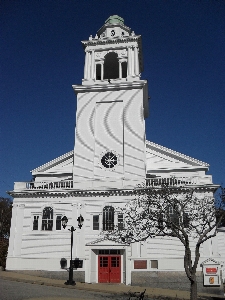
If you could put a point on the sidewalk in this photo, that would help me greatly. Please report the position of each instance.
(101, 287)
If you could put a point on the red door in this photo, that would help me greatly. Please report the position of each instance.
(109, 268)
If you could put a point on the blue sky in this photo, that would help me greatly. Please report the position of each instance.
(41, 57)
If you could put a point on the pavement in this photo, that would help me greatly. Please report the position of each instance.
(121, 289)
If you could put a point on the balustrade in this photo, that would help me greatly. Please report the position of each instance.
(69, 184)
(172, 181)
(50, 185)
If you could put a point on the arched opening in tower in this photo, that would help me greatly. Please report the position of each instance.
(111, 66)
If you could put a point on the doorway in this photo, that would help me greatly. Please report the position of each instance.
(109, 269)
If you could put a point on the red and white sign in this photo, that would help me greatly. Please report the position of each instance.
(211, 270)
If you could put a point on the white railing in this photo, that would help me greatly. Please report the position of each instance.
(67, 184)
(178, 181)
(91, 184)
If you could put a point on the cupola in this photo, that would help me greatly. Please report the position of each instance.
(114, 55)
(113, 27)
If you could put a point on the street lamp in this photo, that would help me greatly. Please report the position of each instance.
(80, 221)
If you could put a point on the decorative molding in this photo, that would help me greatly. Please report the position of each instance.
(111, 41)
(101, 54)
(175, 153)
(101, 193)
(54, 161)
(148, 143)
(109, 87)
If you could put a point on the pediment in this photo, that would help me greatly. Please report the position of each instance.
(60, 165)
(104, 242)
(160, 158)
(210, 261)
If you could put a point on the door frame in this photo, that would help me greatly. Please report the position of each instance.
(111, 255)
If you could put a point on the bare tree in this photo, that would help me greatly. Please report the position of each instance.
(5, 221)
(184, 213)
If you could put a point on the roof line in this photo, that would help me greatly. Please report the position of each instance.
(173, 152)
(52, 162)
(157, 146)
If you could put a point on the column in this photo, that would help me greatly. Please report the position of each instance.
(86, 65)
(18, 229)
(92, 64)
(102, 70)
(132, 61)
(129, 62)
(120, 69)
(136, 62)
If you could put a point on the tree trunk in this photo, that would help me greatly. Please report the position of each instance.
(193, 294)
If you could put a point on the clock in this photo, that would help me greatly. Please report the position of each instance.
(109, 160)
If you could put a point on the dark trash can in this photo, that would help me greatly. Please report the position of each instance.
(63, 263)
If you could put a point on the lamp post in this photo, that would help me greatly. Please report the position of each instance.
(80, 220)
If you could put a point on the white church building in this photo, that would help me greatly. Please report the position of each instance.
(111, 157)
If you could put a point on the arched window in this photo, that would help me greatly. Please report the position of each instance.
(108, 218)
(47, 218)
(111, 66)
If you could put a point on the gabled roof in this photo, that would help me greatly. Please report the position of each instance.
(161, 155)
(210, 261)
(57, 161)
(157, 157)
(103, 241)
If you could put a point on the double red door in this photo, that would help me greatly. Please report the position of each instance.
(109, 268)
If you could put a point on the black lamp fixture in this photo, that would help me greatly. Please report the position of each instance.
(64, 222)
(80, 221)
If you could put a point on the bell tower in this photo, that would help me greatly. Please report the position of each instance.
(112, 103)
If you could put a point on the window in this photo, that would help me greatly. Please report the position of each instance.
(154, 264)
(35, 223)
(120, 221)
(186, 220)
(58, 222)
(173, 217)
(47, 218)
(108, 218)
(111, 66)
(124, 69)
(96, 222)
(98, 72)
(111, 251)
(160, 222)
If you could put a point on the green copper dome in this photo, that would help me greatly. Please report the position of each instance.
(115, 19)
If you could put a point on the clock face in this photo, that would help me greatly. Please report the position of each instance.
(109, 160)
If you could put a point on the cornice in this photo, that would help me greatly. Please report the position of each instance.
(176, 154)
(110, 41)
(109, 242)
(157, 147)
(54, 161)
(109, 86)
(104, 193)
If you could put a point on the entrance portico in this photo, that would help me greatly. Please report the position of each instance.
(107, 263)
